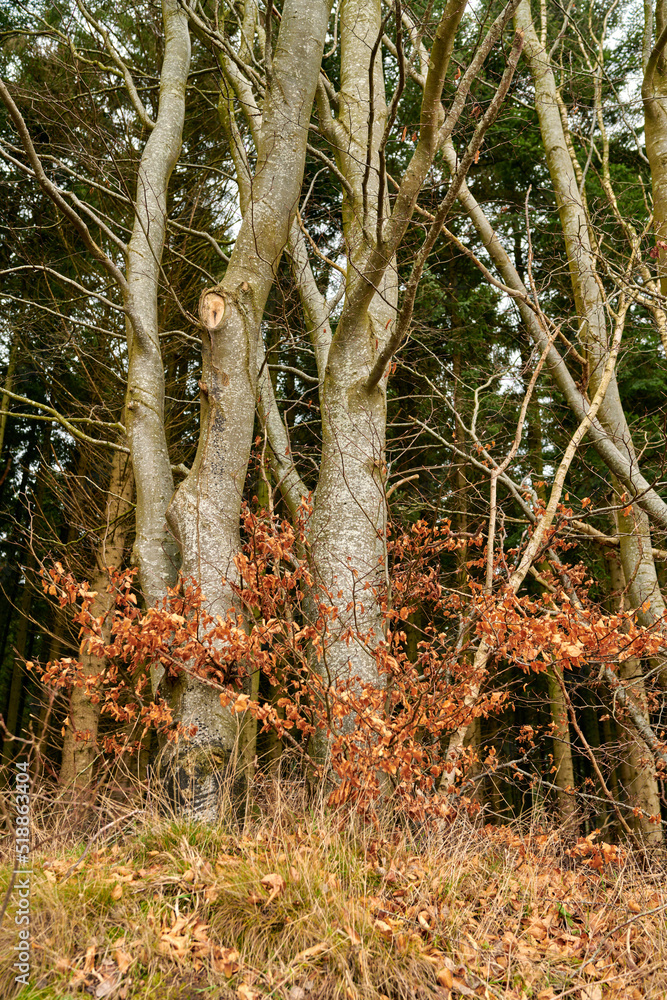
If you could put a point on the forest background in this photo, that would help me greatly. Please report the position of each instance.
(355, 319)
(333, 359)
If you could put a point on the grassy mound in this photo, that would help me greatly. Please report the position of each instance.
(321, 907)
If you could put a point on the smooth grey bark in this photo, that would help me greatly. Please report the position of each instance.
(205, 510)
(642, 788)
(654, 96)
(348, 526)
(635, 538)
(154, 549)
(348, 523)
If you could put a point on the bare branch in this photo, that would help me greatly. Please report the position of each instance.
(54, 193)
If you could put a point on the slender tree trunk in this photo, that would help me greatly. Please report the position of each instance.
(10, 593)
(16, 690)
(562, 751)
(154, 549)
(641, 784)
(80, 740)
(611, 758)
(635, 540)
(205, 511)
(654, 94)
(560, 719)
(348, 528)
(5, 402)
(460, 477)
(635, 536)
(18, 685)
(47, 729)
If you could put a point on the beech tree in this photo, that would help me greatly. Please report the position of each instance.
(272, 104)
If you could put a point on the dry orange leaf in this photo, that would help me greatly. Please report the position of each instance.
(245, 992)
(445, 978)
(226, 960)
(352, 934)
(593, 992)
(384, 929)
(311, 952)
(123, 960)
(274, 882)
(117, 891)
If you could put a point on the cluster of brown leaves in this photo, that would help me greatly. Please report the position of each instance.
(284, 623)
(100, 977)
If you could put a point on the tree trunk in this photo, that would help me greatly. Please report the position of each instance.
(80, 740)
(654, 95)
(562, 751)
(17, 687)
(641, 784)
(154, 549)
(348, 528)
(5, 401)
(635, 537)
(205, 510)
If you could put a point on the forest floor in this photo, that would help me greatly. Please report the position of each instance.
(314, 906)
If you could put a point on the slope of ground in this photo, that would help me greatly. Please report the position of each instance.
(313, 907)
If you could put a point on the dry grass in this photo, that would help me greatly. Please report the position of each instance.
(310, 905)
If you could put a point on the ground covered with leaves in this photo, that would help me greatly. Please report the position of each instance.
(315, 907)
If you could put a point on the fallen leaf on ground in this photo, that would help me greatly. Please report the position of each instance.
(461, 988)
(226, 960)
(109, 977)
(123, 960)
(593, 992)
(445, 978)
(274, 882)
(311, 952)
(245, 992)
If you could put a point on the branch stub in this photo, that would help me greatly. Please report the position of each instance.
(212, 308)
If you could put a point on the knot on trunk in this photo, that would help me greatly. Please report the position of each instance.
(212, 308)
